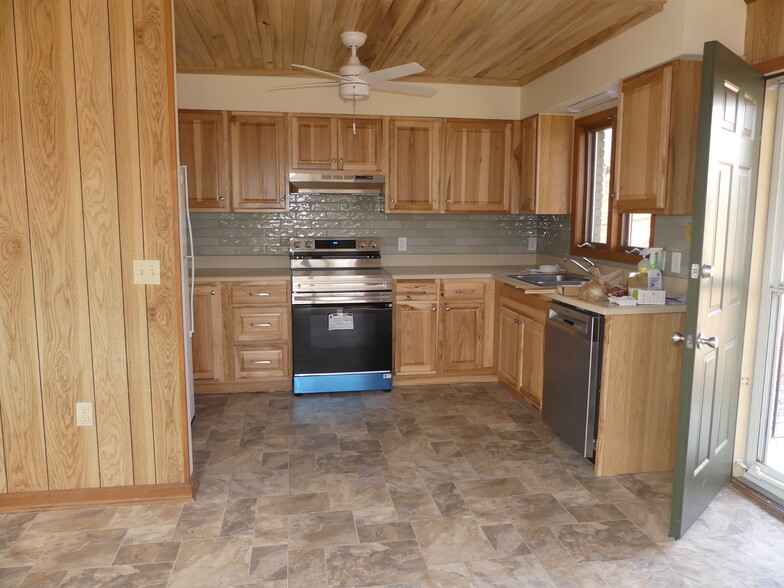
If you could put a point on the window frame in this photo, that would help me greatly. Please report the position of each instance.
(613, 250)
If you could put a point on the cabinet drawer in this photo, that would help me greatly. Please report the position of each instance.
(463, 290)
(259, 293)
(260, 324)
(261, 362)
(412, 290)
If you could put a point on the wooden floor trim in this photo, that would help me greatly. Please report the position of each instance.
(757, 498)
(97, 497)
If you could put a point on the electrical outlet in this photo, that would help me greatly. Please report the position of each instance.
(146, 271)
(675, 262)
(531, 243)
(84, 414)
(402, 243)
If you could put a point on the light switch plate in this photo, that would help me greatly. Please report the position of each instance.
(146, 271)
(675, 262)
(402, 243)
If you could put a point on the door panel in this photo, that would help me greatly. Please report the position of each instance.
(462, 341)
(415, 337)
(726, 171)
(508, 346)
(359, 144)
(257, 157)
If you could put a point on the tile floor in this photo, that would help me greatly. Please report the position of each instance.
(440, 486)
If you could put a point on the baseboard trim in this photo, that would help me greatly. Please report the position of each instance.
(97, 497)
(750, 491)
(271, 385)
(433, 380)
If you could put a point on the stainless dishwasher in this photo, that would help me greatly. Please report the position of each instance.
(572, 375)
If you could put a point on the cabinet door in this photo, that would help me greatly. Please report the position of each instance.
(477, 166)
(257, 152)
(207, 338)
(462, 336)
(414, 165)
(642, 145)
(528, 170)
(313, 142)
(532, 360)
(509, 346)
(204, 151)
(360, 144)
(415, 334)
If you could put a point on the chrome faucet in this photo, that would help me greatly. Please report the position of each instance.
(581, 266)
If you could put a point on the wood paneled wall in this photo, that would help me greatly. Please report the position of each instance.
(764, 43)
(88, 176)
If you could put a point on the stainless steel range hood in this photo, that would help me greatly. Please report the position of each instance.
(336, 183)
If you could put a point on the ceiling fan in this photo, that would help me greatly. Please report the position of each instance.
(354, 80)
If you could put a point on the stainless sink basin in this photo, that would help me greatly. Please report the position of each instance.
(551, 279)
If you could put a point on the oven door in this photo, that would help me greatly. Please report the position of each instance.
(342, 347)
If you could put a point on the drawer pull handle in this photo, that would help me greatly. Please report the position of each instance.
(417, 292)
(464, 291)
(261, 324)
(258, 293)
(261, 361)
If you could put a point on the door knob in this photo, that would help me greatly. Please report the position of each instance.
(711, 342)
(678, 337)
(706, 271)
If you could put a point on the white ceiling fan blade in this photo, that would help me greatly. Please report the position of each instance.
(317, 71)
(313, 85)
(404, 88)
(391, 73)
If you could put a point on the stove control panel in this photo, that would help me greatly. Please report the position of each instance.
(359, 244)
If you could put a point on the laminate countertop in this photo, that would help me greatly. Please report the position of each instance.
(500, 273)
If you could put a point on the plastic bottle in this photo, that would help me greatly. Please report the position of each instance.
(654, 271)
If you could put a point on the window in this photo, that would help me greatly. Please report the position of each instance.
(597, 229)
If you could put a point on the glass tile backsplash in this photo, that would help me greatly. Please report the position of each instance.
(330, 215)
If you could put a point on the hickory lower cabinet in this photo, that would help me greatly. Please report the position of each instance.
(250, 336)
(520, 343)
(443, 331)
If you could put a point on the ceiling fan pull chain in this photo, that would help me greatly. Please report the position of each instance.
(354, 122)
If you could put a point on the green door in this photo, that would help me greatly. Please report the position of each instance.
(725, 193)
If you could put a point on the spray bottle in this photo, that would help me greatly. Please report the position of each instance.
(653, 272)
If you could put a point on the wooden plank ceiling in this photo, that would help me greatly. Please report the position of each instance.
(503, 42)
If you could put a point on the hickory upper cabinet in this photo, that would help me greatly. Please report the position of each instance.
(204, 150)
(477, 164)
(544, 157)
(258, 149)
(343, 143)
(414, 164)
(656, 146)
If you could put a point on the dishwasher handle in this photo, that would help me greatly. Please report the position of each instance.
(569, 323)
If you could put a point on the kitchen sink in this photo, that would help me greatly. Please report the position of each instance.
(551, 279)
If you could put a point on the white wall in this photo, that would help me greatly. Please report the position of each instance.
(218, 92)
(681, 28)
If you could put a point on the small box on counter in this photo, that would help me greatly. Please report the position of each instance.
(646, 296)
(638, 281)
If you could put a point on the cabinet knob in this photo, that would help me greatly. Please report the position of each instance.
(334, 159)
(433, 309)
(212, 293)
(518, 322)
(447, 309)
(449, 202)
(221, 198)
(392, 199)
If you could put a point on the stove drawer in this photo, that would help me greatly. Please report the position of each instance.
(259, 293)
(261, 362)
(252, 323)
